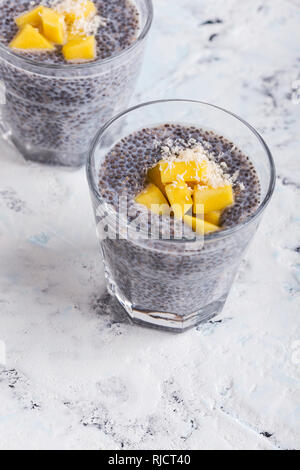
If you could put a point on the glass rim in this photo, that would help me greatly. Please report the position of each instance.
(211, 236)
(87, 65)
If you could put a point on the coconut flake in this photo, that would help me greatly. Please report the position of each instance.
(82, 25)
(199, 153)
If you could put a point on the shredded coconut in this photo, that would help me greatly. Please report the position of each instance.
(235, 176)
(82, 25)
(199, 153)
(181, 177)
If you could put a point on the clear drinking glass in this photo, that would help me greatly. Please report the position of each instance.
(52, 112)
(167, 283)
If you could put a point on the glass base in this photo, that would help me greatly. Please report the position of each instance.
(49, 157)
(167, 321)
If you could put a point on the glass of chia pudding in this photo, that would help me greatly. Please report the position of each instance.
(177, 195)
(67, 66)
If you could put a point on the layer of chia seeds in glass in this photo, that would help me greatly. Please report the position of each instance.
(125, 168)
(119, 31)
(152, 276)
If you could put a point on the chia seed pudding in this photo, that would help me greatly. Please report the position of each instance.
(152, 279)
(53, 108)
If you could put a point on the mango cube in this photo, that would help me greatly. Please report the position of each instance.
(180, 198)
(190, 171)
(153, 199)
(154, 176)
(29, 38)
(89, 9)
(199, 226)
(213, 217)
(71, 36)
(83, 8)
(32, 17)
(82, 48)
(213, 199)
(53, 26)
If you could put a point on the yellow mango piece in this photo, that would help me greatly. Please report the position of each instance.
(82, 48)
(199, 226)
(29, 38)
(190, 171)
(213, 217)
(153, 199)
(71, 36)
(32, 17)
(213, 199)
(83, 8)
(89, 9)
(154, 176)
(53, 26)
(180, 198)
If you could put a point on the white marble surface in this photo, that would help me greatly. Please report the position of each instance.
(79, 377)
